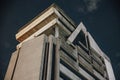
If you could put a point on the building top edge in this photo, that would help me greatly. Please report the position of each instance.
(41, 13)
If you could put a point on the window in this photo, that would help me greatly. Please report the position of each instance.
(80, 37)
(72, 70)
(80, 40)
(45, 63)
(53, 62)
(64, 77)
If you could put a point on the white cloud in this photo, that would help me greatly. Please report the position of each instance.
(91, 5)
(88, 6)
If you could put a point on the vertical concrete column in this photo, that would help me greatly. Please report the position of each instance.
(76, 52)
(57, 56)
(56, 32)
(57, 60)
(49, 68)
(109, 70)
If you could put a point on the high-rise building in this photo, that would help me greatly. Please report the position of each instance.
(52, 47)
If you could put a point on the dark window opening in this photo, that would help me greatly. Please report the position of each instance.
(80, 40)
(98, 70)
(45, 63)
(97, 61)
(64, 77)
(80, 37)
(72, 70)
(85, 49)
(67, 54)
(53, 62)
(85, 58)
(88, 72)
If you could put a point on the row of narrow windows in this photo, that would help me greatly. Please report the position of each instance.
(72, 70)
(82, 65)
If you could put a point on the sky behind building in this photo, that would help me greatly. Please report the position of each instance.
(101, 18)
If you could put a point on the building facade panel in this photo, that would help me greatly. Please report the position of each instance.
(30, 60)
(12, 65)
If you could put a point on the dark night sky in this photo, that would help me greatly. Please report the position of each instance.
(101, 18)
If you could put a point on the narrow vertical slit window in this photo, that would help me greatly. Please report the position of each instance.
(45, 63)
(53, 62)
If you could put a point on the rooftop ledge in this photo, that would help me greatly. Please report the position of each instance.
(38, 19)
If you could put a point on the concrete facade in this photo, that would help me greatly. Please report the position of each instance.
(52, 47)
(30, 60)
(11, 67)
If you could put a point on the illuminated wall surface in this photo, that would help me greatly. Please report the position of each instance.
(52, 47)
